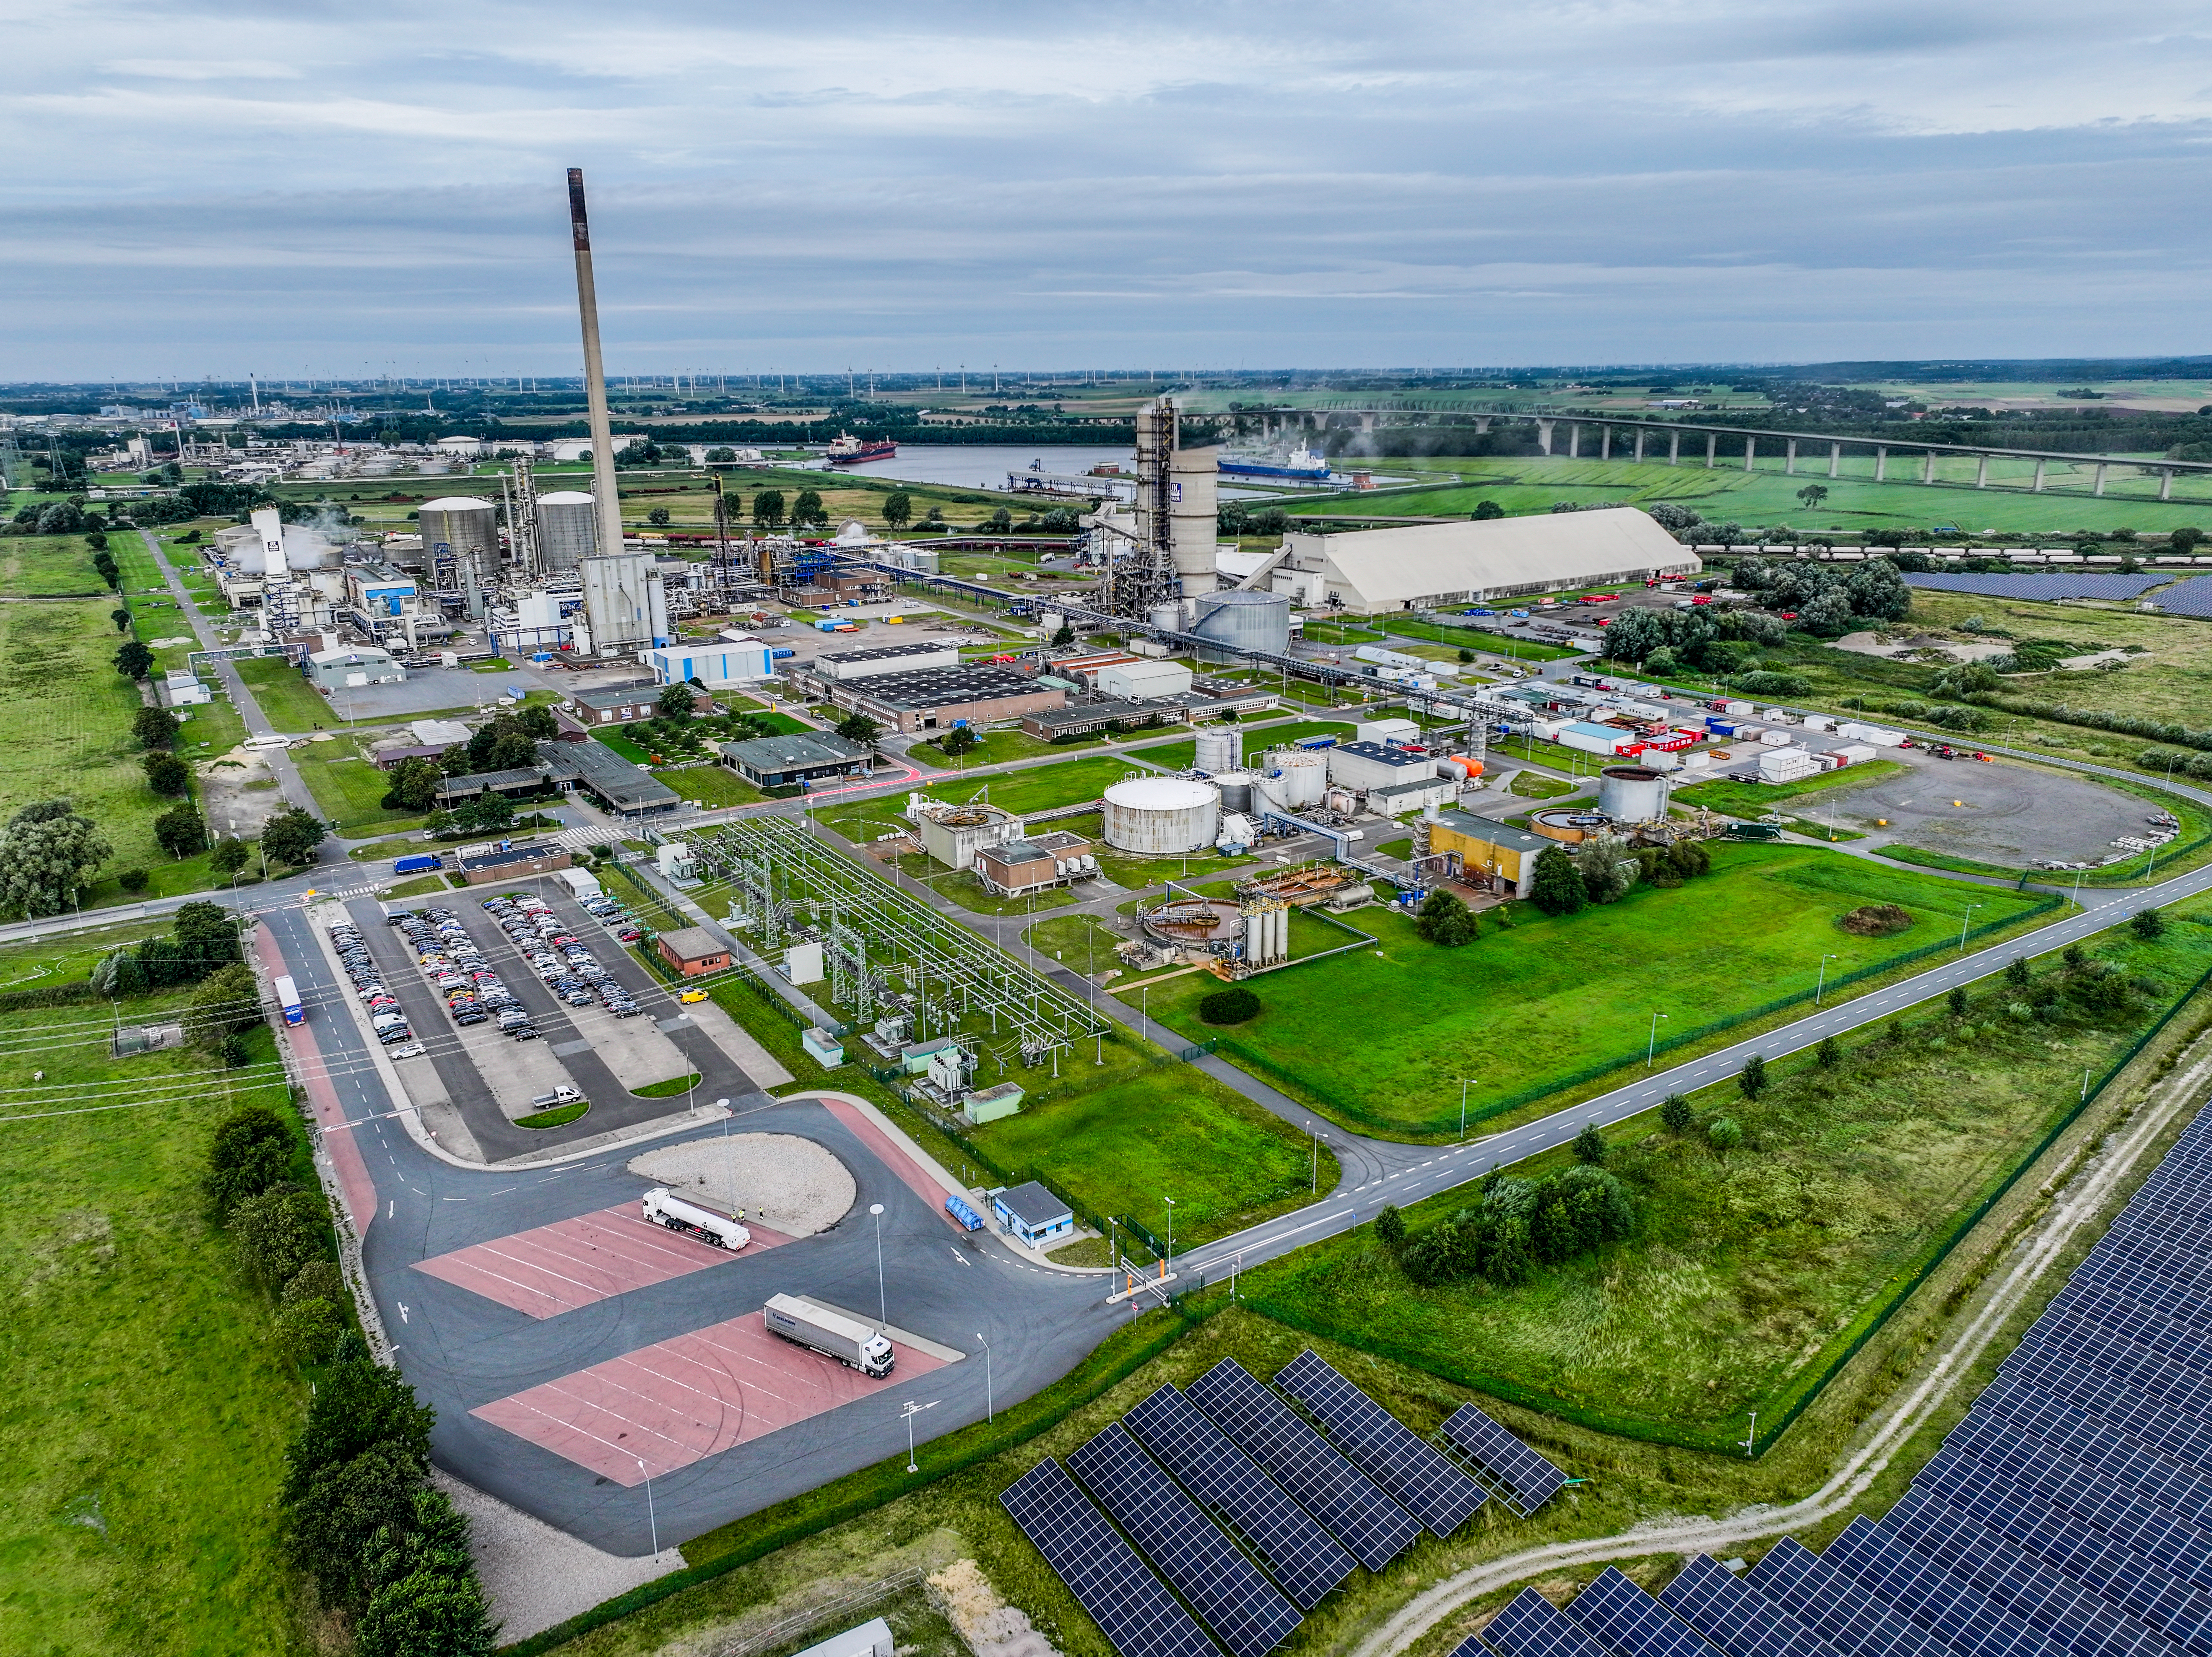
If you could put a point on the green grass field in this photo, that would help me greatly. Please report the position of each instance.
(992, 748)
(143, 1412)
(710, 784)
(1078, 942)
(1751, 1270)
(1751, 799)
(1548, 998)
(348, 787)
(964, 889)
(1044, 788)
(49, 566)
(291, 704)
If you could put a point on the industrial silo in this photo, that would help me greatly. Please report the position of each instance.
(460, 546)
(568, 529)
(1244, 620)
(1236, 788)
(1162, 815)
(1305, 776)
(1218, 749)
(1268, 793)
(1631, 794)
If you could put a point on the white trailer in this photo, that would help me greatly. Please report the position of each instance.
(663, 1207)
(851, 1342)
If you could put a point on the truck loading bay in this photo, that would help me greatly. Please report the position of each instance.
(575, 1351)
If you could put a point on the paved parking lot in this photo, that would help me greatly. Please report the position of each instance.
(556, 1268)
(675, 1402)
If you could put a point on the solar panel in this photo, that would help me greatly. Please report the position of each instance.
(1229, 1595)
(1374, 1527)
(1931, 1596)
(2190, 597)
(2166, 1430)
(2068, 584)
(1390, 1453)
(1837, 1607)
(1530, 1479)
(2045, 1598)
(1132, 1609)
(1304, 1559)
(1622, 1617)
(1740, 1620)
(2040, 1415)
(1532, 1626)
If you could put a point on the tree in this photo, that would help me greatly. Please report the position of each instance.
(227, 1003)
(657, 517)
(121, 618)
(961, 739)
(1829, 1053)
(1725, 1134)
(153, 728)
(279, 1231)
(132, 659)
(1391, 1227)
(1591, 1146)
(1827, 617)
(181, 831)
(1750, 1081)
(1634, 636)
(1466, 656)
(310, 1313)
(722, 452)
(290, 836)
(898, 508)
(358, 1403)
(252, 1151)
(1446, 921)
(1065, 637)
(166, 774)
(1485, 510)
(488, 813)
(768, 509)
(206, 936)
(1558, 888)
(676, 701)
(537, 722)
(860, 728)
(428, 1614)
(47, 851)
(2016, 973)
(1608, 867)
(1676, 1114)
(808, 512)
(343, 1507)
(414, 787)
(2148, 925)
(1956, 1000)
(1813, 495)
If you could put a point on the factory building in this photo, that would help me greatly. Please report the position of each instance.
(1087, 718)
(942, 698)
(1014, 868)
(1368, 765)
(1423, 566)
(1490, 853)
(952, 835)
(625, 606)
(1141, 677)
(842, 666)
(381, 601)
(616, 704)
(349, 669)
(538, 623)
(802, 758)
(596, 769)
(719, 666)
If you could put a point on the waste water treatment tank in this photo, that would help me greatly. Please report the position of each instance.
(1218, 749)
(568, 529)
(1161, 816)
(1236, 788)
(1305, 776)
(1269, 793)
(1631, 794)
(1245, 621)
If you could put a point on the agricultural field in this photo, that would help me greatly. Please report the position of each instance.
(1548, 998)
(1752, 1268)
(143, 1422)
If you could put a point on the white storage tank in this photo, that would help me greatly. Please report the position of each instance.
(568, 529)
(1162, 815)
(1244, 620)
(1631, 794)
(1219, 749)
(1305, 776)
(1269, 791)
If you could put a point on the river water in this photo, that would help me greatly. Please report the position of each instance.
(984, 466)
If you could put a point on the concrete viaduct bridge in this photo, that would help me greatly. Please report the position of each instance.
(1609, 437)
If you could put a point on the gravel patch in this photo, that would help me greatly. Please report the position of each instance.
(788, 1184)
(537, 1576)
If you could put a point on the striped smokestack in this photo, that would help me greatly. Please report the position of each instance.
(607, 501)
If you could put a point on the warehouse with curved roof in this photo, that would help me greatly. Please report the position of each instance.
(1427, 565)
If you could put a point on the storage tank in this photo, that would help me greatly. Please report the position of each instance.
(460, 545)
(568, 529)
(1236, 788)
(1631, 794)
(1219, 749)
(1269, 793)
(1162, 815)
(1194, 526)
(1305, 776)
(1244, 620)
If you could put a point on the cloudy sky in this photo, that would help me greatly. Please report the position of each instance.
(310, 188)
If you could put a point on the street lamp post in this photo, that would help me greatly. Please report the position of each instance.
(1963, 920)
(1465, 1083)
(1823, 983)
(882, 1304)
(1651, 1042)
(651, 1518)
(907, 1415)
(990, 1409)
(1170, 1202)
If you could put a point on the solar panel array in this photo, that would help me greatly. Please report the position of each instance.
(2190, 597)
(1108, 1579)
(2069, 1514)
(1374, 1527)
(1389, 1451)
(1530, 1481)
(1304, 1559)
(1239, 1604)
(2058, 584)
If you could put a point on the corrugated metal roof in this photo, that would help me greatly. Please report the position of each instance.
(1397, 566)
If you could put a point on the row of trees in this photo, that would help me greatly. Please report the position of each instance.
(1603, 867)
(1519, 1225)
(383, 1546)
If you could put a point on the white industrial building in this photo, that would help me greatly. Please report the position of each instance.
(360, 665)
(843, 664)
(1421, 567)
(718, 666)
(1138, 679)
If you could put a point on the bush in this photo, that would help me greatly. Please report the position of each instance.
(1233, 1006)
(1446, 921)
(252, 1151)
(132, 880)
(1876, 920)
(1676, 1114)
(1591, 1146)
(1829, 1053)
(1750, 1081)
(1391, 1227)
(1725, 1134)
(2148, 925)
(1558, 888)
(278, 1232)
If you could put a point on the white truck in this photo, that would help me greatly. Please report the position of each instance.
(554, 1100)
(849, 1341)
(663, 1207)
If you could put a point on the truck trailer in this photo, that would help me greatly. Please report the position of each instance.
(663, 1207)
(849, 1341)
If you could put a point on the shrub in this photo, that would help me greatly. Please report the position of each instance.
(1725, 1134)
(278, 1232)
(1829, 1053)
(1446, 921)
(1750, 1081)
(1391, 1227)
(2148, 925)
(132, 880)
(1591, 1146)
(1676, 1114)
(1233, 1006)
(252, 1151)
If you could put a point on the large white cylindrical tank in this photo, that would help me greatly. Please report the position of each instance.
(1194, 526)
(568, 529)
(1166, 616)
(1269, 791)
(1246, 620)
(464, 527)
(1218, 749)
(1631, 794)
(1305, 776)
(1162, 815)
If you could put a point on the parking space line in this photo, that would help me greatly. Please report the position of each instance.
(556, 1268)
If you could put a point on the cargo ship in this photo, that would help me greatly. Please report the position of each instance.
(1301, 465)
(850, 451)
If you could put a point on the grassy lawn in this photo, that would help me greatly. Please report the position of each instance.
(1043, 789)
(1338, 633)
(994, 748)
(348, 787)
(287, 700)
(1750, 1271)
(420, 887)
(1550, 999)
(49, 566)
(1531, 785)
(1078, 942)
(143, 1413)
(1752, 799)
(711, 784)
(965, 889)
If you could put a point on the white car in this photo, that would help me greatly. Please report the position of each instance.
(412, 1050)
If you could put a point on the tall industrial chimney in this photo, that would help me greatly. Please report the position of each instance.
(595, 375)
